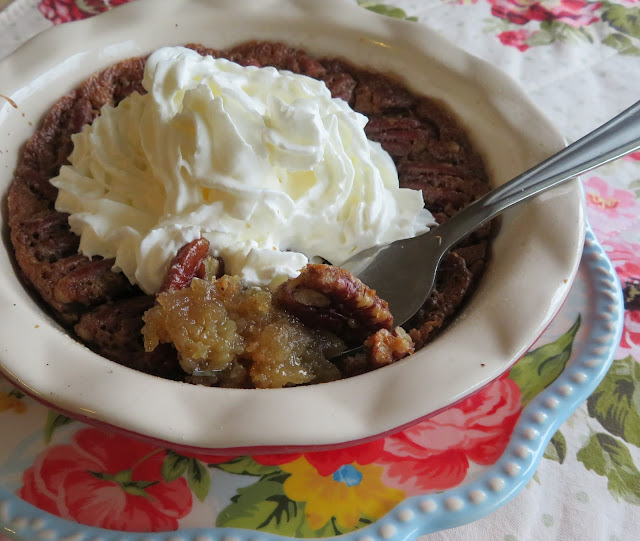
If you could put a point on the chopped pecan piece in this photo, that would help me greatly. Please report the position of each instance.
(386, 347)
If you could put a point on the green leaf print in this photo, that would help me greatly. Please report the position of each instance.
(563, 32)
(624, 19)
(552, 31)
(198, 479)
(54, 421)
(609, 457)
(541, 37)
(264, 506)
(495, 25)
(557, 448)
(245, 465)
(385, 9)
(540, 367)
(174, 466)
(616, 401)
(622, 44)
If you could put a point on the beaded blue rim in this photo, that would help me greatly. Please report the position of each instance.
(417, 515)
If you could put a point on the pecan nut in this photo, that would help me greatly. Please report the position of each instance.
(330, 298)
(386, 347)
(186, 265)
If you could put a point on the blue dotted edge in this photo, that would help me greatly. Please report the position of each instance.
(418, 515)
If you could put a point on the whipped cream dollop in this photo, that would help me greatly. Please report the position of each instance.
(264, 164)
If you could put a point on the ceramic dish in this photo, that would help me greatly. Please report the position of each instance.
(509, 311)
(465, 462)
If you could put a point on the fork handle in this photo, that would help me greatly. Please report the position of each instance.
(616, 138)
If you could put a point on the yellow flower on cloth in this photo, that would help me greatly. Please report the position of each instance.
(348, 493)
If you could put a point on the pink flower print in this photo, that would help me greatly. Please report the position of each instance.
(63, 11)
(625, 257)
(109, 481)
(435, 454)
(576, 13)
(515, 38)
(610, 209)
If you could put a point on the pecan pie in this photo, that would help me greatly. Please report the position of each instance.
(265, 335)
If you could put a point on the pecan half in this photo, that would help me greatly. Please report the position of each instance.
(331, 298)
(92, 282)
(187, 264)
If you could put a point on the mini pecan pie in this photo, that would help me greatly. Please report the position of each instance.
(258, 338)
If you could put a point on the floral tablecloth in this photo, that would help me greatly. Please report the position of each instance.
(580, 62)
